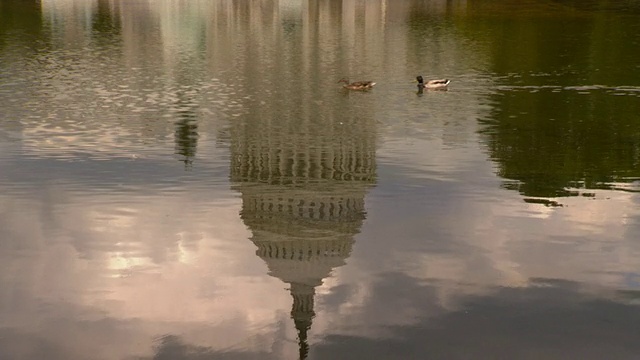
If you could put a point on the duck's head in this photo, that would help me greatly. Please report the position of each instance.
(419, 79)
(343, 80)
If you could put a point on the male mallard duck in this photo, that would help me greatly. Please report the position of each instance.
(358, 85)
(440, 84)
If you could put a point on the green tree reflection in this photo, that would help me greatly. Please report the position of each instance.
(19, 17)
(565, 111)
(550, 141)
(186, 131)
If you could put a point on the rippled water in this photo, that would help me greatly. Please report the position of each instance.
(187, 180)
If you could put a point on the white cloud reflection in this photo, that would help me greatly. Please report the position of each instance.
(150, 269)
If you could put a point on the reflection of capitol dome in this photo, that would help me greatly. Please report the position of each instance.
(303, 159)
(303, 200)
(303, 231)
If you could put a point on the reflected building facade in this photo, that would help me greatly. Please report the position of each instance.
(302, 160)
(303, 201)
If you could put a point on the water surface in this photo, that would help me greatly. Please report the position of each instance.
(187, 180)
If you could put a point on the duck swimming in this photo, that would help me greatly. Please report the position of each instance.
(439, 84)
(358, 85)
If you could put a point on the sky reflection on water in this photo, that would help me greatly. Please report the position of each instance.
(188, 181)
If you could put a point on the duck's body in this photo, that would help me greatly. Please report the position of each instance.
(439, 84)
(358, 85)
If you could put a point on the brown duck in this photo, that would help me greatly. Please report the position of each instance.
(358, 85)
